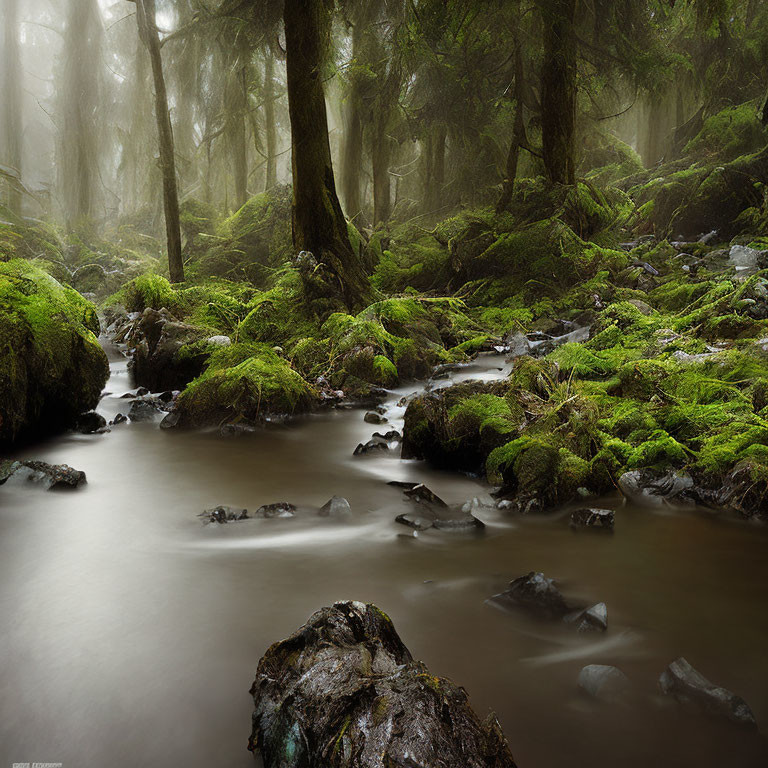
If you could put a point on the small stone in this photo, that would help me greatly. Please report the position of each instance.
(593, 518)
(220, 341)
(373, 445)
(170, 420)
(590, 619)
(535, 593)
(47, 475)
(374, 418)
(602, 681)
(416, 520)
(336, 506)
(119, 419)
(278, 509)
(423, 495)
(223, 514)
(142, 410)
(681, 681)
(90, 422)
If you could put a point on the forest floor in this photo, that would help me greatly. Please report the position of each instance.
(635, 305)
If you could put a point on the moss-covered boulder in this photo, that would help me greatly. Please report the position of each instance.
(51, 365)
(244, 383)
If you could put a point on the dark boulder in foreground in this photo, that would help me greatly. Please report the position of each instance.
(41, 473)
(344, 691)
(691, 688)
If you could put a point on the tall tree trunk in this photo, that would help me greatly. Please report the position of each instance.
(558, 90)
(380, 155)
(12, 104)
(146, 15)
(237, 137)
(318, 222)
(269, 119)
(434, 176)
(353, 137)
(518, 134)
(79, 102)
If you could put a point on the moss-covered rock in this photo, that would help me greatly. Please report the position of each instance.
(51, 365)
(246, 383)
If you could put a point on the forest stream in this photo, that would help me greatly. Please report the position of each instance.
(132, 630)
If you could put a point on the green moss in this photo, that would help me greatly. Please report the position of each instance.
(51, 365)
(732, 132)
(243, 382)
(149, 291)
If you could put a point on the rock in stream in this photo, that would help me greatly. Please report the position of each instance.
(345, 691)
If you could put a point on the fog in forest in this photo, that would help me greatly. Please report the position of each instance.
(383, 383)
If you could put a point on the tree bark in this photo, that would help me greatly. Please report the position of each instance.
(12, 104)
(237, 138)
(434, 176)
(319, 226)
(380, 155)
(353, 137)
(558, 90)
(148, 30)
(269, 119)
(518, 134)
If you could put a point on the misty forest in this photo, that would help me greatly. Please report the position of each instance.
(384, 383)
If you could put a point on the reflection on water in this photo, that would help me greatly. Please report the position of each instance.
(131, 632)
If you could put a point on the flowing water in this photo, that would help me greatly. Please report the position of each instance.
(130, 631)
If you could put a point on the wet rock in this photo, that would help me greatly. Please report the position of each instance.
(646, 267)
(535, 593)
(90, 422)
(652, 489)
(140, 392)
(593, 518)
(402, 484)
(170, 420)
(593, 619)
(220, 341)
(374, 445)
(234, 430)
(143, 409)
(278, 509)
(344, 690)
(423, 495)
(121, 418)
(156, 338)
(601, 681)
(741, 257)
(48, 476)
(393, 436)
(681, 681)
(224, 514)
(374, 418)
(419, 521)
(336, 506)
(458, 522)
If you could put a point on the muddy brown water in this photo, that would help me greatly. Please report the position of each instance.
(130, 632)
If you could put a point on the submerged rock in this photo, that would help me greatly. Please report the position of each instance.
(649, 488)
(681, 681)
(423, 495)
(374, 418)
(593, 518)
(143, 409)
(90, 422)
(601, 681)
(224, 514)
(372, 446)
(345, 691)
(278, 509)
(536, 594)
(336, 506)
(593, 619)
(47, 475)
